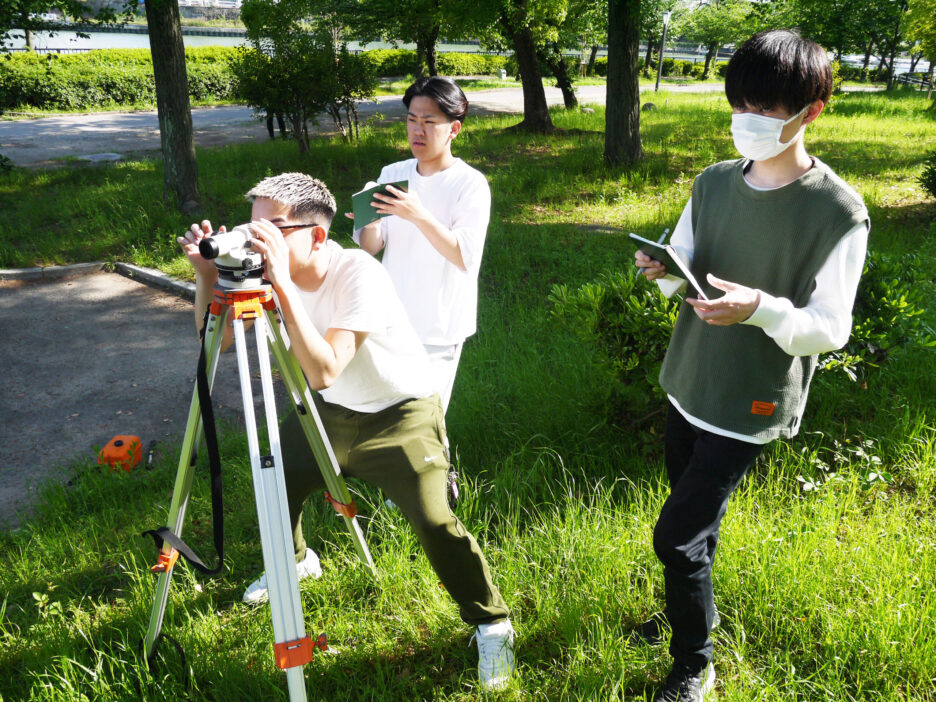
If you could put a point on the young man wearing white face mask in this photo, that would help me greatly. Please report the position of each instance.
(784, 239)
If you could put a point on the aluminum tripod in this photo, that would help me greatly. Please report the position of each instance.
(292, 647)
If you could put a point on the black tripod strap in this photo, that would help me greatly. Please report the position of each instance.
(165, 534)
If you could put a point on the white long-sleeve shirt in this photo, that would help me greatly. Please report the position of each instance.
(822, 325)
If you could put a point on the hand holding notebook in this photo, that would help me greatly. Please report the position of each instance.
(364, 212)
(666, 254)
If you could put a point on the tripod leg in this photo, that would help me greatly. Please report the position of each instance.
(183, 483)
(293, 648)
(315, 434)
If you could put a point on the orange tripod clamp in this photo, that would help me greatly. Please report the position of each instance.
(345, 510)
(165, 561)
(289, 654)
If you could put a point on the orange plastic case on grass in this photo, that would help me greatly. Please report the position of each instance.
(122, 451)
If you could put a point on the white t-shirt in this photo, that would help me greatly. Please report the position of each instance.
(440, 298)
(391, 364)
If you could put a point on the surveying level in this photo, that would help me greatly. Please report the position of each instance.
(250, 298)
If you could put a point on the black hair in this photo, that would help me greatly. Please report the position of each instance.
(778, 68)
(444, 92)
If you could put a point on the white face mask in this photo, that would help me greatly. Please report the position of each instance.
(757, 137)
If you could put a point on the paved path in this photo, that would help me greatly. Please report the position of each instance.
(39, 142)
(86, 358)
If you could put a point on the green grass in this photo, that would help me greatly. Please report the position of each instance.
(825, 595)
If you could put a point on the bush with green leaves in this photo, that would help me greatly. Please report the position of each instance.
(888, 315)
(456, 64)
(928, 176)
(105, 77)
(388, 63)
(624, 323)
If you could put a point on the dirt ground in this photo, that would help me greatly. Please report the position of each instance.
(84, 359)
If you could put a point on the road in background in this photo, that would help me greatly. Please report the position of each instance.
(113, 135)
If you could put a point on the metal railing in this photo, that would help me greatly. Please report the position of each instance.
(912, 79)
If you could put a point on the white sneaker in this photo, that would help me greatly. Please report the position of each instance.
(495, 653)
(307, 567)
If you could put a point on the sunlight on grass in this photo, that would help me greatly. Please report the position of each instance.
(825, 594)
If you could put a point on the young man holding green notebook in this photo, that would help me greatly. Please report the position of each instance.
(784, 239)
(433, 239)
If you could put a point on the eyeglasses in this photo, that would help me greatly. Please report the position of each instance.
(284, 227)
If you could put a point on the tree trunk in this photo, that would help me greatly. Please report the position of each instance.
(180, 169)
(648, 60)
(622, 115)
(867, 60)
(426, 56)
(709, 54)
(890, 67)
(895, 45)
(420, 57)
(557, 65)
(592, 57)
(914, 60)
(535, 110)
(929, 91)
(29, 40)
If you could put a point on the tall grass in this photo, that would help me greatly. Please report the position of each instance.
(825, 594)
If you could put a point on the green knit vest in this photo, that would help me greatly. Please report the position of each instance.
(736, 377)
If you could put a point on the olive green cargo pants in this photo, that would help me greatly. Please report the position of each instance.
(402, 451)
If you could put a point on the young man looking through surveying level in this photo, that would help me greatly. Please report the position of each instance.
(356, 347)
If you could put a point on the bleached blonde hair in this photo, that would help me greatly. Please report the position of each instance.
(302, 193)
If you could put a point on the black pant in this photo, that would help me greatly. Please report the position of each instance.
(703, 469)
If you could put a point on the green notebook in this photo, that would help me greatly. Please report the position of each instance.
(666, 254)
(361, 201)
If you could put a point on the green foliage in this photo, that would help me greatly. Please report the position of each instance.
(456, 64)
(6, 165)
(888, 315)
(105, 77)
(626, 324)
(928, 176)
(388, 63)
(392, 62)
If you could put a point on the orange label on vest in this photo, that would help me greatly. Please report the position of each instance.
(764, 409)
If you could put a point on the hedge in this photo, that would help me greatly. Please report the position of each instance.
(402, 62)
(110, 77)
(105, 77)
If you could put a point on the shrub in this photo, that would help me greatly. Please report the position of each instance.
(928, 176)
(456, 64)
(105, 77)
(392, 62)
(626, 323)
(888, 315)
(601, 65)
